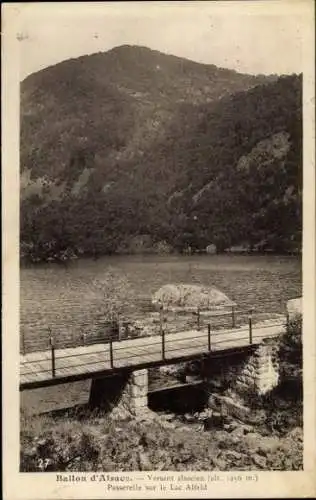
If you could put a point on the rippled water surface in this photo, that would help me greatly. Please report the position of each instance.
(58, 297)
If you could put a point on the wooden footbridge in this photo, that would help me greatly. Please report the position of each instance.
(55, 366)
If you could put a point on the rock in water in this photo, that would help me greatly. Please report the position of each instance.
(188, 297)
(211, 249)
(294, 308)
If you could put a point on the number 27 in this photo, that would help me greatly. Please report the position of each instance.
(43, 463)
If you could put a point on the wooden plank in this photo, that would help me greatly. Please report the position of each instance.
(229, 345)
(34, 357)
(34, 367)
(134, 353)
(80, 369)
(26, 379)
(151, 342)
(180, 352)
(37, 366)
(88, 349)
(145, 358)
(35, 377)
(67, 362)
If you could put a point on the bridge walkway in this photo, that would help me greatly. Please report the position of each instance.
(50, 367)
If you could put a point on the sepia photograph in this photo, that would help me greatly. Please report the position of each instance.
(160, 243)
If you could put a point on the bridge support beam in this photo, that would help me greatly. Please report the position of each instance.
(260, 373)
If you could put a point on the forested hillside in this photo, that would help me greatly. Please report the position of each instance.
(136, 150)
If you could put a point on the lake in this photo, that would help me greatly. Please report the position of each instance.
(58, 299)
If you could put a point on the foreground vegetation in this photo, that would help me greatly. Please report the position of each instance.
(97, 443)
(90, 440)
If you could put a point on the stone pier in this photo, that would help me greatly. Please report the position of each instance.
(135, 396)
(255, 374)
(260, 373)
(125, 394)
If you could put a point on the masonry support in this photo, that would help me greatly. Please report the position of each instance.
(260, 373)
(256, 373)
(135, 396)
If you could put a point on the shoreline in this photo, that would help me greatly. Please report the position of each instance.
(25, 262)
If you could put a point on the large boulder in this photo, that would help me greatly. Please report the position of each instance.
(211, 249)
(190, 297)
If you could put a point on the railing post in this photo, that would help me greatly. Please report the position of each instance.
(111, 354)
(209, 337)
(23, 343)
(52, 345)
(198, 318)
(117, 327)
(287, 321)
(163, 352)
(250, 326)
(233, 317)
(160, 319)
(83, 338)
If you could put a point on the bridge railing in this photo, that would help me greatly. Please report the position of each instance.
(161, 347)
(168, 321)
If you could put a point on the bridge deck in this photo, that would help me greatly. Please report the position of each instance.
(80, 362)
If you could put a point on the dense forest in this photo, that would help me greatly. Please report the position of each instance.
(134, 150)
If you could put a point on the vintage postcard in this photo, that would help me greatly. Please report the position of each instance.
(159, 250)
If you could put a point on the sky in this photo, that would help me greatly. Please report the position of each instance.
(250, 37)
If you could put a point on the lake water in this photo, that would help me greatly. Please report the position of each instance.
(58, 298)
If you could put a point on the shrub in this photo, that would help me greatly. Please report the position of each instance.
(49, 445)
(110, 293)
(291, 350)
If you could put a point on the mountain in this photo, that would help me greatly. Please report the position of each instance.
(133, 145)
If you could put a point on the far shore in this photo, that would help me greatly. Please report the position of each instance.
(26, 261)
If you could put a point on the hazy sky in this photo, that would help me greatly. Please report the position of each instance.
(247, 36)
